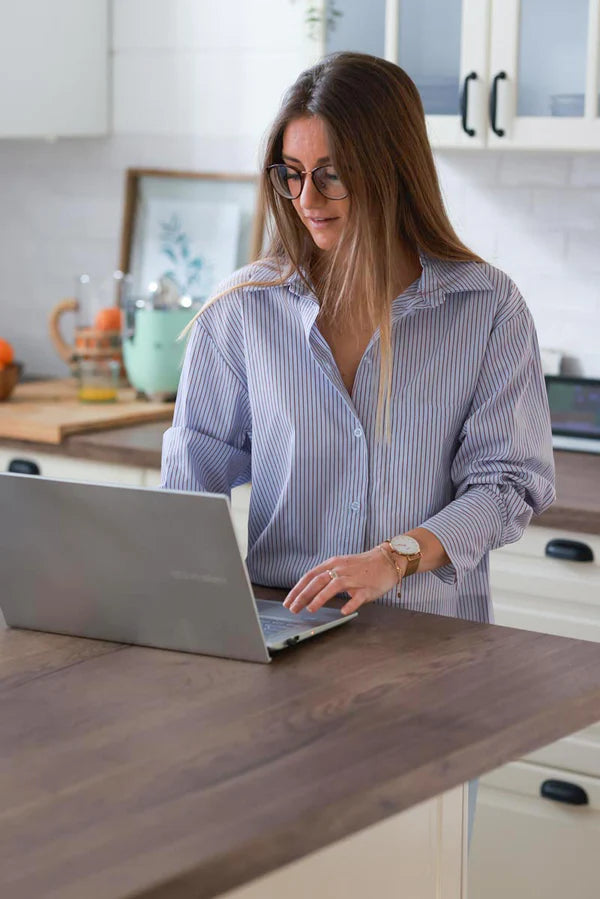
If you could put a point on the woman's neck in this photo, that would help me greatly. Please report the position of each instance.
(407, 269)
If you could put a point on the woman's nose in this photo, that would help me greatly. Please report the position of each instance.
(310, 195)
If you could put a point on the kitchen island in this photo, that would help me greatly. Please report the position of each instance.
(128, 771)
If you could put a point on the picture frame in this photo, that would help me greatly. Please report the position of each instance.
(193, 228)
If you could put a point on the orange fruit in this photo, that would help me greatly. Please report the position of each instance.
(108, 319)
(6, 353)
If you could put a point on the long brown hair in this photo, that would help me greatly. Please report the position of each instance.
(378, 144)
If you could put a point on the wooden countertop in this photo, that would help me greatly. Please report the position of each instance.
(127, 771)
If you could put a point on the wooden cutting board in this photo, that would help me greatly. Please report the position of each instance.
(48, 411)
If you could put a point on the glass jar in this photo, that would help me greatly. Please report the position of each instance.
(97, 380)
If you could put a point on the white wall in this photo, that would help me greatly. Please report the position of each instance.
(195, 90)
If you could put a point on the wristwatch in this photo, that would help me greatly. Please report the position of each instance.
(408, 547)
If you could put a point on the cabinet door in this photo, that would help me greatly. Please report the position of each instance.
(527, 845)
(419, 853)
(533, 591)
(439, 43)
(53, 68)
(544, 62)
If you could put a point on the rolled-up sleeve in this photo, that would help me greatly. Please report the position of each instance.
(208, 447)
(503, 471)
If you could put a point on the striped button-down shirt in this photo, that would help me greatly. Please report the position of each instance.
(470, 456)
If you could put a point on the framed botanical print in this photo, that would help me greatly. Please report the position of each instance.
(189, 229)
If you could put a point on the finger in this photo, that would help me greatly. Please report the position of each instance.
(359, 599)
(321, 584)
(305, 580)
(329, 591)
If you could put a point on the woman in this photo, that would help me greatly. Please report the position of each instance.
(377, 381)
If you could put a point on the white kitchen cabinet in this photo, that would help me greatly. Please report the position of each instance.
(70, 468)
(538, 58)
(523, 844)
(54, 58)
(418, 854)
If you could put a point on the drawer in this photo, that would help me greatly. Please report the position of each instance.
(533, 543)
(69, 468)
(526, 845)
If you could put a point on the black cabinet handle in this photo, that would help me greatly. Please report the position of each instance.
(569, 550)
(464, 103)
(23, 466)
(563, 791)
(494, 103)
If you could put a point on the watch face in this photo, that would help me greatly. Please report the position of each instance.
(405, 545)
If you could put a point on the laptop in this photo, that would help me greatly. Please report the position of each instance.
(574, 412)
(137, 565)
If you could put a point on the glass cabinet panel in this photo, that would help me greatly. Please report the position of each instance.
(360, 26)
(552, 57)
(429, 36)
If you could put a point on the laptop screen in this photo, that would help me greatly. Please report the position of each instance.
(574, 406)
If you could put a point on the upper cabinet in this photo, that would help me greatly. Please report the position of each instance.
(54, 68)
(491, 73)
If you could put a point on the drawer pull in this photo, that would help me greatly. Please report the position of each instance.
(569, 550)
(563, 791)
(23, 466)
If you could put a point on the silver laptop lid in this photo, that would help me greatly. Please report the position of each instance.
(136, 565)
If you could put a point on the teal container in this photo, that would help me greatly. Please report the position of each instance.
(152, 354)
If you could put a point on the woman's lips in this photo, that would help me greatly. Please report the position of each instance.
(321, 222)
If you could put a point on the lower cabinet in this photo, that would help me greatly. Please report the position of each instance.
(525, 844)
(417, 854)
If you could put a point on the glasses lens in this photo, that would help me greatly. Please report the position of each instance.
(286, 181)
(327, 181)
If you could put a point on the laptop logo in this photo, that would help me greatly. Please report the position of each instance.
(199, 576)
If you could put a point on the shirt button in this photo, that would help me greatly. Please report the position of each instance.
(358, 432)
(355, 506)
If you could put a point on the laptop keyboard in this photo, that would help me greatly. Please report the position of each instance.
(272, 627)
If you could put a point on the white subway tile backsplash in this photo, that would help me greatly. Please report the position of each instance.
(533, 169)
(573, 208)
(479, 166)
(583, 252)
(585, 170)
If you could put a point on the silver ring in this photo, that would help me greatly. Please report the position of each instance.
(332, 574)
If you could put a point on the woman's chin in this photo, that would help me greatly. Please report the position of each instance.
(324, 241)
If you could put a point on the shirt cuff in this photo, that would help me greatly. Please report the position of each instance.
(467, 528)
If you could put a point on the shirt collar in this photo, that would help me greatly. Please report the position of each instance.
(438, 279)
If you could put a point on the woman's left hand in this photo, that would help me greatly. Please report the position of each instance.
(365, 576)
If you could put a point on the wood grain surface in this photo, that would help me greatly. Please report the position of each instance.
(47, 412)
(127, 771)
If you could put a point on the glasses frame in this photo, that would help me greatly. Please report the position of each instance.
(303, 174)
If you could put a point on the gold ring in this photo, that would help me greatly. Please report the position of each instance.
(332, 574)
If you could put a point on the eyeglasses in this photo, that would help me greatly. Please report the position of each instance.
(289, 182)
